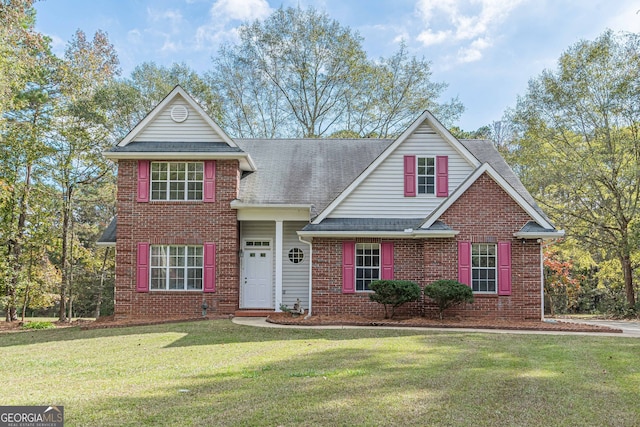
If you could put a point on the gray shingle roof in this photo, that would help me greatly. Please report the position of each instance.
(373, 224)
(175, 147)
(365, 224)
(109, 234)
(534, 227)
(305, 171)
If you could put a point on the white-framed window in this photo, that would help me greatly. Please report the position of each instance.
(176, 268)
(177, 180)
(484, 268)
(367, 265)
(426, 175)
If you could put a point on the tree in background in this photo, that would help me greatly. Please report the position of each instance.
(26, 92)
(578, 147)
(301, 74)
(81, 133)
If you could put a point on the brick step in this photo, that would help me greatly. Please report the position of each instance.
(253, 313)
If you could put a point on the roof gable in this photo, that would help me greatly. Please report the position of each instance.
(426, 119)
(178, 118)
(502, 182)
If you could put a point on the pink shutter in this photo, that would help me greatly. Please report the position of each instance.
(442, 176)
(387, 260)
(348, 267)
(209, 181)
(144, 167)
(464, 262)
(142, 271)
(209, 275)
(504, 268)
(409, 176)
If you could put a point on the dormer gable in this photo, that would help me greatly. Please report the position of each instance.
(177, 118)
(178, 128)
(389, 185)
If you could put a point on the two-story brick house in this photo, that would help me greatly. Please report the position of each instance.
(247, 224)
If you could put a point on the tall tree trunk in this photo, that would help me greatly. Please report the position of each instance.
(101, 286)
(627, 271)
(64, 259)
(16, 248)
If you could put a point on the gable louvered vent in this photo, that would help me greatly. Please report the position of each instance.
(179, 113)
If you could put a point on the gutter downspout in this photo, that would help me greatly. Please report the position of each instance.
(542, 280)
(310, 273)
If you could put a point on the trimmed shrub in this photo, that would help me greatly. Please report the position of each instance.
(394, 293)
(447, 293)
(38, 325)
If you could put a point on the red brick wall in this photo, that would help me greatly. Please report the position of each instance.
(484, 214)
(177, 223)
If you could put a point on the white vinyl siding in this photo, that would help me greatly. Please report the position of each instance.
(193, 129)
(381, 194)
(295, 277)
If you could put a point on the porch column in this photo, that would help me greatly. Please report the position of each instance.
(278, 253)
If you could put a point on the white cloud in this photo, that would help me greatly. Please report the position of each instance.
(134, 36)
(428, 38)
(241, 10)
(224, 14)
(469, 24)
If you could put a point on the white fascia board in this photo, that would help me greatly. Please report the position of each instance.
(486, 167)
(544, 235)
(167, 99)
(425, 116)
(246, 162)
(413, 234)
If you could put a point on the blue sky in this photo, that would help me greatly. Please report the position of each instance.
(485, 50)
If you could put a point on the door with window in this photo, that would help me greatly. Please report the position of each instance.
(257, 273)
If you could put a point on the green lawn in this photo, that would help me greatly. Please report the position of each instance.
(218, 373)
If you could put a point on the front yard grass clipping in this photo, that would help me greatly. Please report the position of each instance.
(218, 373)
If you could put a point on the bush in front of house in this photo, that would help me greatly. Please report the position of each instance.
(393, 293)
(448, 293)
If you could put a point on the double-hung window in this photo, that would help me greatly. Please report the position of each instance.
(176, 268)
(367, 265)
(483, 268)
(177, 180)
(426, 175)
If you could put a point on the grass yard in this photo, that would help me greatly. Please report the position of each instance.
(218, 373)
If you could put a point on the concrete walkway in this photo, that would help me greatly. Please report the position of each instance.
(630, 329)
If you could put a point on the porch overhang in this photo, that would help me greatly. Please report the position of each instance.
(397, 228)
(407, 234)
(271, 212)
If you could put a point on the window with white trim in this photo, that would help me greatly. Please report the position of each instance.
(176, 268)
(426, 175)
(484, 268)
(177, 180)
(367, 265)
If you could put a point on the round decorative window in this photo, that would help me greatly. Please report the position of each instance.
(179, 113)
(296, 255)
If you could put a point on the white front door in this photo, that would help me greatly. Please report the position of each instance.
(256, 278)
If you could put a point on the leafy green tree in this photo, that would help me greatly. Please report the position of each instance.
(19, 48)
(578, 146)
(299, 73)
(81, 133)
